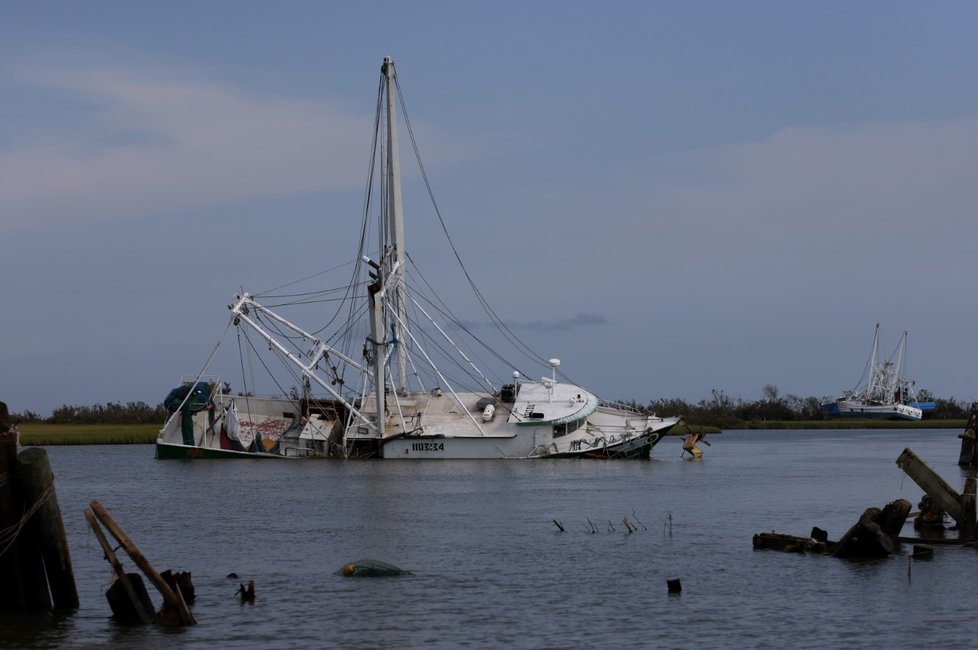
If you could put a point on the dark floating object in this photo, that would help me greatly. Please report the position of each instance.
(675, 586)
(233, 575)
(370, 569)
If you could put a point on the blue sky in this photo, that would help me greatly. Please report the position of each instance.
(672, 197)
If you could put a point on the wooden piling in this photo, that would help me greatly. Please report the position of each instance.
(11, 587)
(969, 450)
(23, 585)
(171, 598)
(46, 527)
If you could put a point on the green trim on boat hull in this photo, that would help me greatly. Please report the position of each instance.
(169, 451)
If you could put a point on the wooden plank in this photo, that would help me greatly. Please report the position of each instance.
(168, 595)
(117, 567)
(944, 496)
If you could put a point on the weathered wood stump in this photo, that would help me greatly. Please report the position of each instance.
(875, 534)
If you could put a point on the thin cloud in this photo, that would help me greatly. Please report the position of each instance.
(146, 145)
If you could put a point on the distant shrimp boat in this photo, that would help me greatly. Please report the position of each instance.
(886, 394)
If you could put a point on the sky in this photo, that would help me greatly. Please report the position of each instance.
(671, 197)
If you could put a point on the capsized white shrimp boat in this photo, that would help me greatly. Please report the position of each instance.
(394, 400)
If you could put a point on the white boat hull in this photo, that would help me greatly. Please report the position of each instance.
(850, 409)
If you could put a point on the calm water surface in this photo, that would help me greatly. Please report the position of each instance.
(490, 569)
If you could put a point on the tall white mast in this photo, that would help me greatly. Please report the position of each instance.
(399, 257)
(874, 373)
(896, 389)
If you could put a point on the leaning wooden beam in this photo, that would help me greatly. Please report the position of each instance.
(171, 598)
(930, 482)
(117, 567)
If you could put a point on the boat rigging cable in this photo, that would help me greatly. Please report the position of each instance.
(503, 328)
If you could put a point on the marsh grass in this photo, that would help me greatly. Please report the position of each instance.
(40, 434)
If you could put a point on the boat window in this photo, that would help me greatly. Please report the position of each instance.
(570, 427)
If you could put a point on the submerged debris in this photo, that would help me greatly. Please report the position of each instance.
(874, 535)
(370, 569)
(247, 593)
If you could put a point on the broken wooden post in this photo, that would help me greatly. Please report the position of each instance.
(136, 601)
(46, 526)
(961, 509)
(171, 598)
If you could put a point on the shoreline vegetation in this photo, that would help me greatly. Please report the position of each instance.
(43, 434)
(116, 423)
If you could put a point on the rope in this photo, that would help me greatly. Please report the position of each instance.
(9, 535)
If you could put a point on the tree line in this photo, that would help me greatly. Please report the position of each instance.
(109, 413)
(720, 410)
(724, 411)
